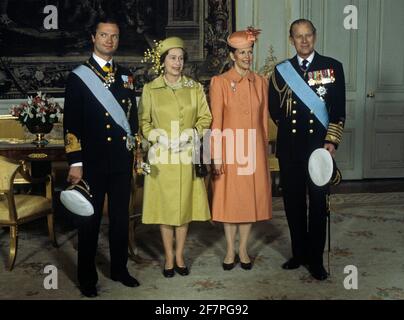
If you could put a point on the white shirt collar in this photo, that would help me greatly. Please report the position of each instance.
(309, 59)
(101, 61)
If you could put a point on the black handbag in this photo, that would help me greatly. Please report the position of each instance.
(201, 169)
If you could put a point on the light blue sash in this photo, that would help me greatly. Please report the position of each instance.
(304, 92)
(107, 99)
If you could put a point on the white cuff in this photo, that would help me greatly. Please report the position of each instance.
(77, 164)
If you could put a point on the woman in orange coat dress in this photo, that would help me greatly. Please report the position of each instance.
(241, 184)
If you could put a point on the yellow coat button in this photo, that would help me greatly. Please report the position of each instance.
(311, 111)
(294, 121)
(295, 102)
(311, 121)
(109, 139)
(108, 126)
(294, 111)
(294, 131)
(124, 138)
(123, 101)
(311, 130)
(106, 114)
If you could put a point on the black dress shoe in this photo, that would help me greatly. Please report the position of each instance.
(168, 273)
(291, 264)
(318, 272)
(127, 280)
(183, 271)
(88, 291)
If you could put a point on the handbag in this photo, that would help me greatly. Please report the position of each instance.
(201, 169)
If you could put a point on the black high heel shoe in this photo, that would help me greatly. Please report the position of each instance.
(246, 266)
(168, 273)
(230, 266)
(183, 271)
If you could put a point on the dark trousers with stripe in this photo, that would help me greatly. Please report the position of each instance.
(307, 223)
(117, 187)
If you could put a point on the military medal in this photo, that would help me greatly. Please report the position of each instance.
(332, 75)
(127, 82)
(311, 80)
(109, 79)
(321, 91)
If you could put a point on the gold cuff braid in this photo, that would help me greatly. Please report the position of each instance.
(334, 133)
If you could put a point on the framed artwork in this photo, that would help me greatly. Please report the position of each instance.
(36, 59)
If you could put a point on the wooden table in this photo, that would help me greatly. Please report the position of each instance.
(41, 158)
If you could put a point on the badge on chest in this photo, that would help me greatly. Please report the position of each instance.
(321, 77)
(128, 82)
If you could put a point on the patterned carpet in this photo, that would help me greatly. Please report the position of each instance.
(367, 232)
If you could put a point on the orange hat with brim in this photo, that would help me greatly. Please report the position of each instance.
(243, 39)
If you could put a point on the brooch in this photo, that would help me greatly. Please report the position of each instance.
(188, 83)
(233, 85)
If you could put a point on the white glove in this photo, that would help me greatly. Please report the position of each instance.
(185, 138)
(163, 142)
(175, 145)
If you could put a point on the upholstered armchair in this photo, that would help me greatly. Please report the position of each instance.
(17, 209)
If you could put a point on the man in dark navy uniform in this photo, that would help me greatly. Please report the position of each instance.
(98, 151)
(301, 130)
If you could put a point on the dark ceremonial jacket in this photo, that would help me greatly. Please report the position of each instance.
(91, 135)
(300, 133)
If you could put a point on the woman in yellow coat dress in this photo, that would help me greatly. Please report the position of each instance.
(173, 113)
(241, 185)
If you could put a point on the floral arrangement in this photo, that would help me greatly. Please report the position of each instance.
(153, 56)
(252, 33)
(37, 110)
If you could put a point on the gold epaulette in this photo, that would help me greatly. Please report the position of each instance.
(334, 132)
(275, 84)
(72, 144)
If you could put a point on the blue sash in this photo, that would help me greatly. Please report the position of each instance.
(304, 92)
(107, 100)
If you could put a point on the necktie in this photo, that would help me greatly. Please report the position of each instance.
(305, 65)
(107, 67)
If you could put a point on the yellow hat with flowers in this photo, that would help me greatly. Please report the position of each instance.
(160, 47)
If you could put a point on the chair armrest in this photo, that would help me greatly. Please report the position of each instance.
(11, 204)
(27, 179)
